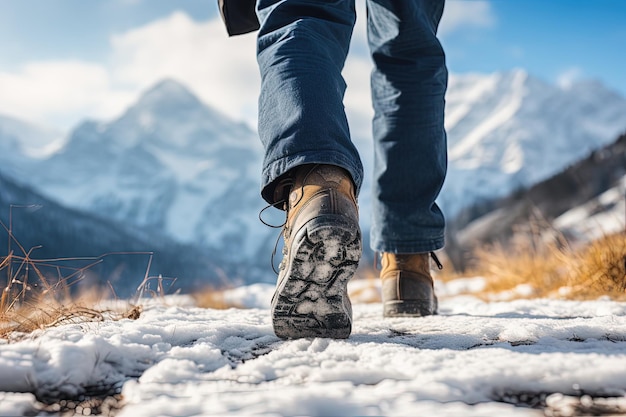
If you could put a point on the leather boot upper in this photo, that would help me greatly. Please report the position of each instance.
(319, 190)
(406, 281)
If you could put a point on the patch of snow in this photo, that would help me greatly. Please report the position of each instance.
(460, 286)
(601, 216)
(183, 361)
(464, 92)
(503, 112)
(16, 404)
(521, 290)
(520, 130)
(250, 296)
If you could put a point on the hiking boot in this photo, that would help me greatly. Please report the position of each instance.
(321, 252)
(407, 286)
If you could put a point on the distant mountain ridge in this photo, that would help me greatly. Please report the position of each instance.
(117, 252)
(173, 165)
(511, 130)
(545, 206)
(169, 163)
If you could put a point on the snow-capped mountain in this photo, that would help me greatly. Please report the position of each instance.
(109, 252)
(172, 164)
(510, 130)
(169, 163)
(21, 141)
(581, 203)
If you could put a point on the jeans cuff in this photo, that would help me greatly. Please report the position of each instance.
(275, 169)
(420, 246)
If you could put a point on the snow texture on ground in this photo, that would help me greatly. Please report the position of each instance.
(475, 358)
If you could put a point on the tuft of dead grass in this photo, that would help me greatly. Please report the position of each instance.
(600, 269)
(40, 315)
(554, 268)
(211, 298)
(46, 311)
(32, 300)
(29, 303)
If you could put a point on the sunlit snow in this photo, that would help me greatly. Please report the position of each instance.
(474, 359)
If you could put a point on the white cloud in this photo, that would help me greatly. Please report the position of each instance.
(221, 70)
(464, 14)
(54, 92)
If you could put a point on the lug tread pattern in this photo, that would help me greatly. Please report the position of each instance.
(311, 300)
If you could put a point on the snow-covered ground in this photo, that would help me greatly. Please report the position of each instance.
(475, 358)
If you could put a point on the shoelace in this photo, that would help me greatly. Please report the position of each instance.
(437, 262)
(285, 183)
(274, 226)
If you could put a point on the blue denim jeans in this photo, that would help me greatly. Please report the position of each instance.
(302, 47)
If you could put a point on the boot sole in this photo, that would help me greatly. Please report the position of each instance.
(409, 308)
(312, 300)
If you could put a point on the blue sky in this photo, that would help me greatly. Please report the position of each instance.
(549, 38)
(64, 60)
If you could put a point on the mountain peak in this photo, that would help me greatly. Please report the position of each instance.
(170, 115)
(167, 106)
(168, 92)
(517, 72)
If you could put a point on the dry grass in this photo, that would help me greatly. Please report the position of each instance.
(25, 314)
(600, 269)
(24, 309)
(46, 310)
(533, 265)
(211, 298)
(553, 268)
(42, 314)
(32, 300)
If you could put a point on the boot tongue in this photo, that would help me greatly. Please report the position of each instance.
(311, 178)
(325, 176)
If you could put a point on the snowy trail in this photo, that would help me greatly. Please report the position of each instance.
(474, 359)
